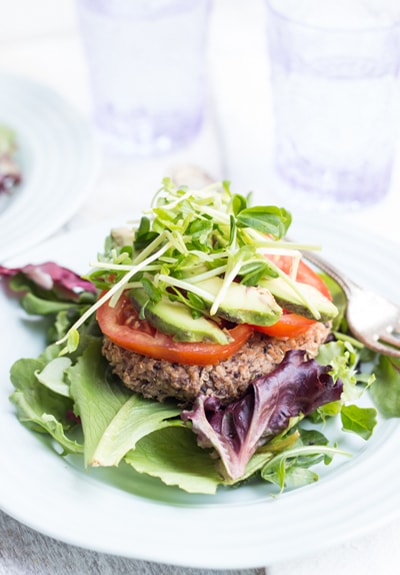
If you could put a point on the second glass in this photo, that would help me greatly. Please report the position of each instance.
(335, 68)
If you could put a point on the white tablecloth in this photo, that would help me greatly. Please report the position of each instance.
(40, 40)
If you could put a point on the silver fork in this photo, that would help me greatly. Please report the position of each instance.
(372, 319)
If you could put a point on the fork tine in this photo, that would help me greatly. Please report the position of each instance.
(386, 345)
(386, 350)
(390, 340)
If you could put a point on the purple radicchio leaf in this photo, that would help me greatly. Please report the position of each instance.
(50, 276)
(297, 386)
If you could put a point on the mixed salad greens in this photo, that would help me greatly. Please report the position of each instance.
(274, 433)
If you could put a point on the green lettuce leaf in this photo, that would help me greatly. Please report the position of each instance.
(52, 375)
(385, 391)
(174, 457)
(39, 407)
(97, 400)
(136, 418)
(113, 418)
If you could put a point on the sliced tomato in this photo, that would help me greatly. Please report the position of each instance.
(289, 325)
(122, 325)
(305, 274)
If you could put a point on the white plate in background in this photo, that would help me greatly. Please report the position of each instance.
(58, 158)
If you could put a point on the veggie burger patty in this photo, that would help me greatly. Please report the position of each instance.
(228, 380)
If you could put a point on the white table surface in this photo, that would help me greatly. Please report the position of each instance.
(40, 40)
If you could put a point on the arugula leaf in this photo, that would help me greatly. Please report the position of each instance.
(291, 466)
(287, 470)
(359, 420)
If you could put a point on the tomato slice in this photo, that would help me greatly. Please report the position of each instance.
(122, 325)
(305, 274)
(289, 325)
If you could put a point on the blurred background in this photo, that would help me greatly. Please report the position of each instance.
(41, 40)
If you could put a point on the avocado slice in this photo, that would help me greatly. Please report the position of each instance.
(302, 299)
(241, 303)
(175, 319)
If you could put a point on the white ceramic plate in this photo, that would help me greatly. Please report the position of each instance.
(120, 512)
(58, 158)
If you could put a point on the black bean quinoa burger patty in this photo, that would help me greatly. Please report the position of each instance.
(228, 380)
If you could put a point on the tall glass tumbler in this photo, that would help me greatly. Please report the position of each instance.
(147, 69)
(334, 69)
